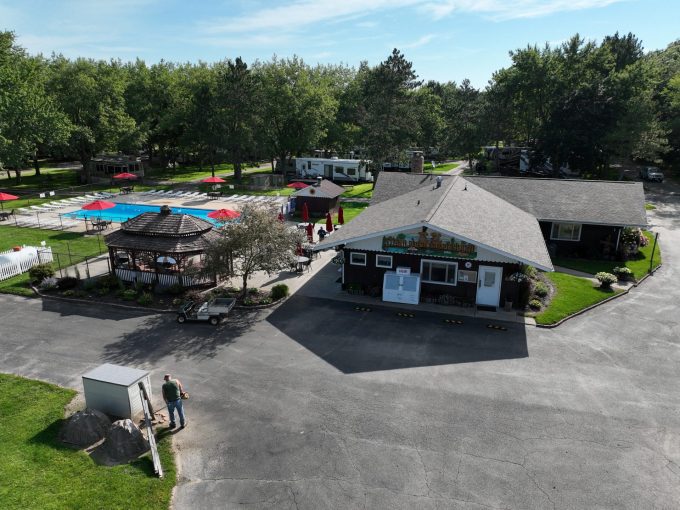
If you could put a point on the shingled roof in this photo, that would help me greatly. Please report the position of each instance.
(163, 232)
(458, 208)
(595, 202)
(324, 189)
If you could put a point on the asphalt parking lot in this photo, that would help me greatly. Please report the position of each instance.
(319, 405)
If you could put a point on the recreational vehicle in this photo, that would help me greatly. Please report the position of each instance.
(339, 170)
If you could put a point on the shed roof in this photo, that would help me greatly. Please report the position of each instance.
(116, 374)
(325, 189)
(459, 208)
(579, 201)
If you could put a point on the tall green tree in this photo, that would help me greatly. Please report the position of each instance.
(463, 109)
(390, 122)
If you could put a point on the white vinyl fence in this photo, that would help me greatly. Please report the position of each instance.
(13, 263)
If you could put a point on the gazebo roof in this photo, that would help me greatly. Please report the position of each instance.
(163, 232)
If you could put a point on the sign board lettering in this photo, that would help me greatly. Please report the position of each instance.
(424, 243)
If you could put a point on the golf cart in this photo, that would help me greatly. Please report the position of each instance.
(212, 311)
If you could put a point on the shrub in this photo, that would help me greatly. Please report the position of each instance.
(41, 271)
(48, 284)
(605, 279)
(129, 294)
(253, 291)
(279, 291)
(176, 302)
(530, 271)
(103, 291)
(145, 299)
(541, 289)
(90, 285)
(69, 293)
(111, 281)
(175, 289)
(67, 282)
(535, 304)
(623, 273)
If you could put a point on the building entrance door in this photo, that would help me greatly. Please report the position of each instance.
(489, 285)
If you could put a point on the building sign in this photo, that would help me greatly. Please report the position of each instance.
(432, 243)
(403, 271)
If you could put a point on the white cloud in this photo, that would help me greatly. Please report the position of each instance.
(502, 10)
(417, 44)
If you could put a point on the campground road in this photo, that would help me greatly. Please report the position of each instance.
(318, 405)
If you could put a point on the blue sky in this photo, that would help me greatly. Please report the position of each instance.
(445, 39)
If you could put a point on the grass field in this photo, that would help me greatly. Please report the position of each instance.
(571, 295)
(440, 168)
(61, 242)
(639, 266)
(50, 178)
(38, 472)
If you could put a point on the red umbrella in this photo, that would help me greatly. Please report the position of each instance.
(224, 214)
(310, 232)
(212, 180)
(125, 175)
(329, 223)
(341, 216)
(280, 217)
(98, 205)
(297, 185)
(305, 212)
(4, 197)
(298, 250)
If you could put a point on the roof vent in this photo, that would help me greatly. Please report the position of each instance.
(165, 210)
(318, 180)
(439, 181)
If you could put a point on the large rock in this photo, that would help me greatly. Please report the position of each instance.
(85, 428)
(124, 442)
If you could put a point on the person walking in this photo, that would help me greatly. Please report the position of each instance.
(172, 394)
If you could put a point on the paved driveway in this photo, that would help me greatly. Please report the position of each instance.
(317, 405)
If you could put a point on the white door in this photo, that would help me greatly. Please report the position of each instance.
(489, 285)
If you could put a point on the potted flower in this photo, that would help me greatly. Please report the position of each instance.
(606, 279)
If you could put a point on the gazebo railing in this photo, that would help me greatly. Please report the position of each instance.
(164, 279)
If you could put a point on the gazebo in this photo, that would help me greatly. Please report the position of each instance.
(161, 248)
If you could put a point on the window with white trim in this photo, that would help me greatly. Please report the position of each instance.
(384, 261)
(357, 259)
(566, 232)
(351, 171)
(436, 271)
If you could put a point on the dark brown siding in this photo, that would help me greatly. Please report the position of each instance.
(370, 277)
(317, 206)
(596, 241)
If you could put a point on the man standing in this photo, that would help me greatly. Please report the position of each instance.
(172, 394)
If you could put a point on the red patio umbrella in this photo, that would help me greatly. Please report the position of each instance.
(310, 232)
(125, 175)
(212, 180)
(224, 214)
(305, 212)
(98, 205)
(5, 197)
(298, 250)
(297, 185)
(341, 216)
(329, 223)
(280, 217)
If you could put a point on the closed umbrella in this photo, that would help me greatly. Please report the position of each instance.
(281, 218)
(5, 197)
(341, 216)
(310, 232)
(305, 212)
(329, 223)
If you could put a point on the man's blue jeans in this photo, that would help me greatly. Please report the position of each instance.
(177, 404)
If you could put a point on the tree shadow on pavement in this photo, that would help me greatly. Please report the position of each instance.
(93, 309)
(354, 340)
(161, 336)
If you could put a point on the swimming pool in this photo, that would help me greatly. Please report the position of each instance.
(123, 212)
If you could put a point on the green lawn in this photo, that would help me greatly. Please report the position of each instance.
(38, 472)
(194, 173)
(50, 179)
(638, 266)
(363, 190)
(79, 245)
(571, 295)
(440, 168)
(350, 210)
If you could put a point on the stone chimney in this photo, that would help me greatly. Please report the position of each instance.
(417, 163)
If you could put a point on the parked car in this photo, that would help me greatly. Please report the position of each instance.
(651, 173)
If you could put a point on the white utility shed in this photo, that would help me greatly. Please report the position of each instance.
(114, 389)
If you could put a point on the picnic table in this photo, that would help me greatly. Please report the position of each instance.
(126, 189)
(214, 195)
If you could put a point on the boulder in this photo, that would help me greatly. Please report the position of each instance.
(85, 428)
(124, 442)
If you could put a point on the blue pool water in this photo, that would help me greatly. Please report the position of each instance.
(123, 212)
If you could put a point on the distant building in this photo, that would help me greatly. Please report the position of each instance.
(105, 166)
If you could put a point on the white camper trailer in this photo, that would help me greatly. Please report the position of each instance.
(339, 170)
